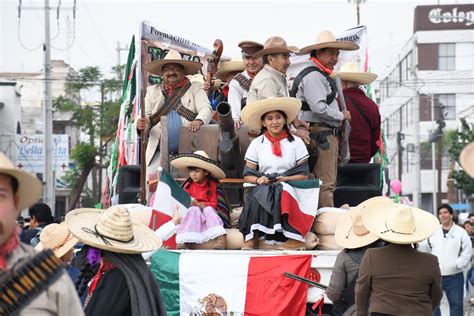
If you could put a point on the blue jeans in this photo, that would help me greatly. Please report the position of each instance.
(453, 285)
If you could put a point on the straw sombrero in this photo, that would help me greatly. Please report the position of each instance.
(112, 230)
(229, 66)
(250, 48)
(399, 223)
(466, 158)
(58, 238)
(350, 72)
(29, 187)
(173, 57)
(327, 40)
(350, 231)
(198, 159)
(276, 45)
(252, 113)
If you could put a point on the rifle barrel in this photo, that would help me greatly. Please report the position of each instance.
(305, 280)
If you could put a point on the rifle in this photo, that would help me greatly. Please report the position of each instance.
(345, 150)
(213, 62)
(143, 145)
(305, 280)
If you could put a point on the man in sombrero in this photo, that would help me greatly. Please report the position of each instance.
(271, 82)
(185, 103)
(120, 281)
(365, 115)
(353, 236)
(239, 86)
(226, 71)
(317, 91)
(31, 283)
(397, 279)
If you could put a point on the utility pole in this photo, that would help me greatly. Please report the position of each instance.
(48, 175)
(416, 136)
(440, 132)
(433, 153)
(400, 137)
(120, 49)
(48, 115)
(357, 3)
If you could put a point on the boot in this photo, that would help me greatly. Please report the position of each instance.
(252, 243)
(292, 244)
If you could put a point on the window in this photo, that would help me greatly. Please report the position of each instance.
(464, 56)
(448, 105)
(446, 56)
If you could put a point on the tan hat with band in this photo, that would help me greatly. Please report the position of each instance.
(276, 45)
(173, 57)
(466, 158)
(58, 238)
(198, 159)
(326, 39)
(350, 231)
(29, 187)
(350, 72)
(112, 230)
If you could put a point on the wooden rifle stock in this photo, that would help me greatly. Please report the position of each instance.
(345, 150)
(213, 62)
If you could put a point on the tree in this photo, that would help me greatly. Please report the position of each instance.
(94, 103)
(457, 141)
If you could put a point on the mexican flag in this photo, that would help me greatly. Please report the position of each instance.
(299, 199)
(168, 195)
(230, 283)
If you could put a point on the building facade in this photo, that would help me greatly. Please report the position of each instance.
(432, 86)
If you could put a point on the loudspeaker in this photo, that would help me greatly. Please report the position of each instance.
(356, 183)
(128, 186)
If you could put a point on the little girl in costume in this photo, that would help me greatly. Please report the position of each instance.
(208, 213)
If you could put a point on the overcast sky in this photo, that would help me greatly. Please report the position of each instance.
(99, 25)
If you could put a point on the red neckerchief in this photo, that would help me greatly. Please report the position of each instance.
(169, 89)
(321, 66)
(7, 249)
(276, 147)
(251, 75)
(95, 280)
(225, 90)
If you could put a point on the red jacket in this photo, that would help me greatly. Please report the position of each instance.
(365, 132)
(205, 192)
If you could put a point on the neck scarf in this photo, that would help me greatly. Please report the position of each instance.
(104, 267)
(169, 89)
(276, 147)
(7, 249)
(321, 66)
(251, 75)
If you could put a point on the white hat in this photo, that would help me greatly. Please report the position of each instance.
(327, 40)
(350, 72)
(173, 57)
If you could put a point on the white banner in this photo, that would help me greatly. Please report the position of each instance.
(30, 153)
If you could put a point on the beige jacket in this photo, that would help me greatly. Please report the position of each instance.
(195, 99)
(60, 298)
(268, 83)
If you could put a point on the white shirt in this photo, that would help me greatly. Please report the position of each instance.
(260, 152)
(453, 251)
(236, 94)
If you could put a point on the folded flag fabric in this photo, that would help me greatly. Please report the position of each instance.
(168, 195)
(231, 283)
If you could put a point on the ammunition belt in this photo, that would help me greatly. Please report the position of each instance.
(243, 82)
(173, 101)
(19, 287)
(186, 113)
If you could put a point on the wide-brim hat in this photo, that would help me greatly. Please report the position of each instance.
(198, 159)
(112, 230)
(173, 57)
(326, 39)
(250, 48)
(399, 223)
(29, 187)
(252, 113)
(350, 231)
(276, 45)
(466, 158)
(350, 72)
(226, 67)
(58, 238)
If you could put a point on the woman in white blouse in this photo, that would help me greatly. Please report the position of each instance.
(273, 157)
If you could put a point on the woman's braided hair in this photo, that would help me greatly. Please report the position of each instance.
(87, 273)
